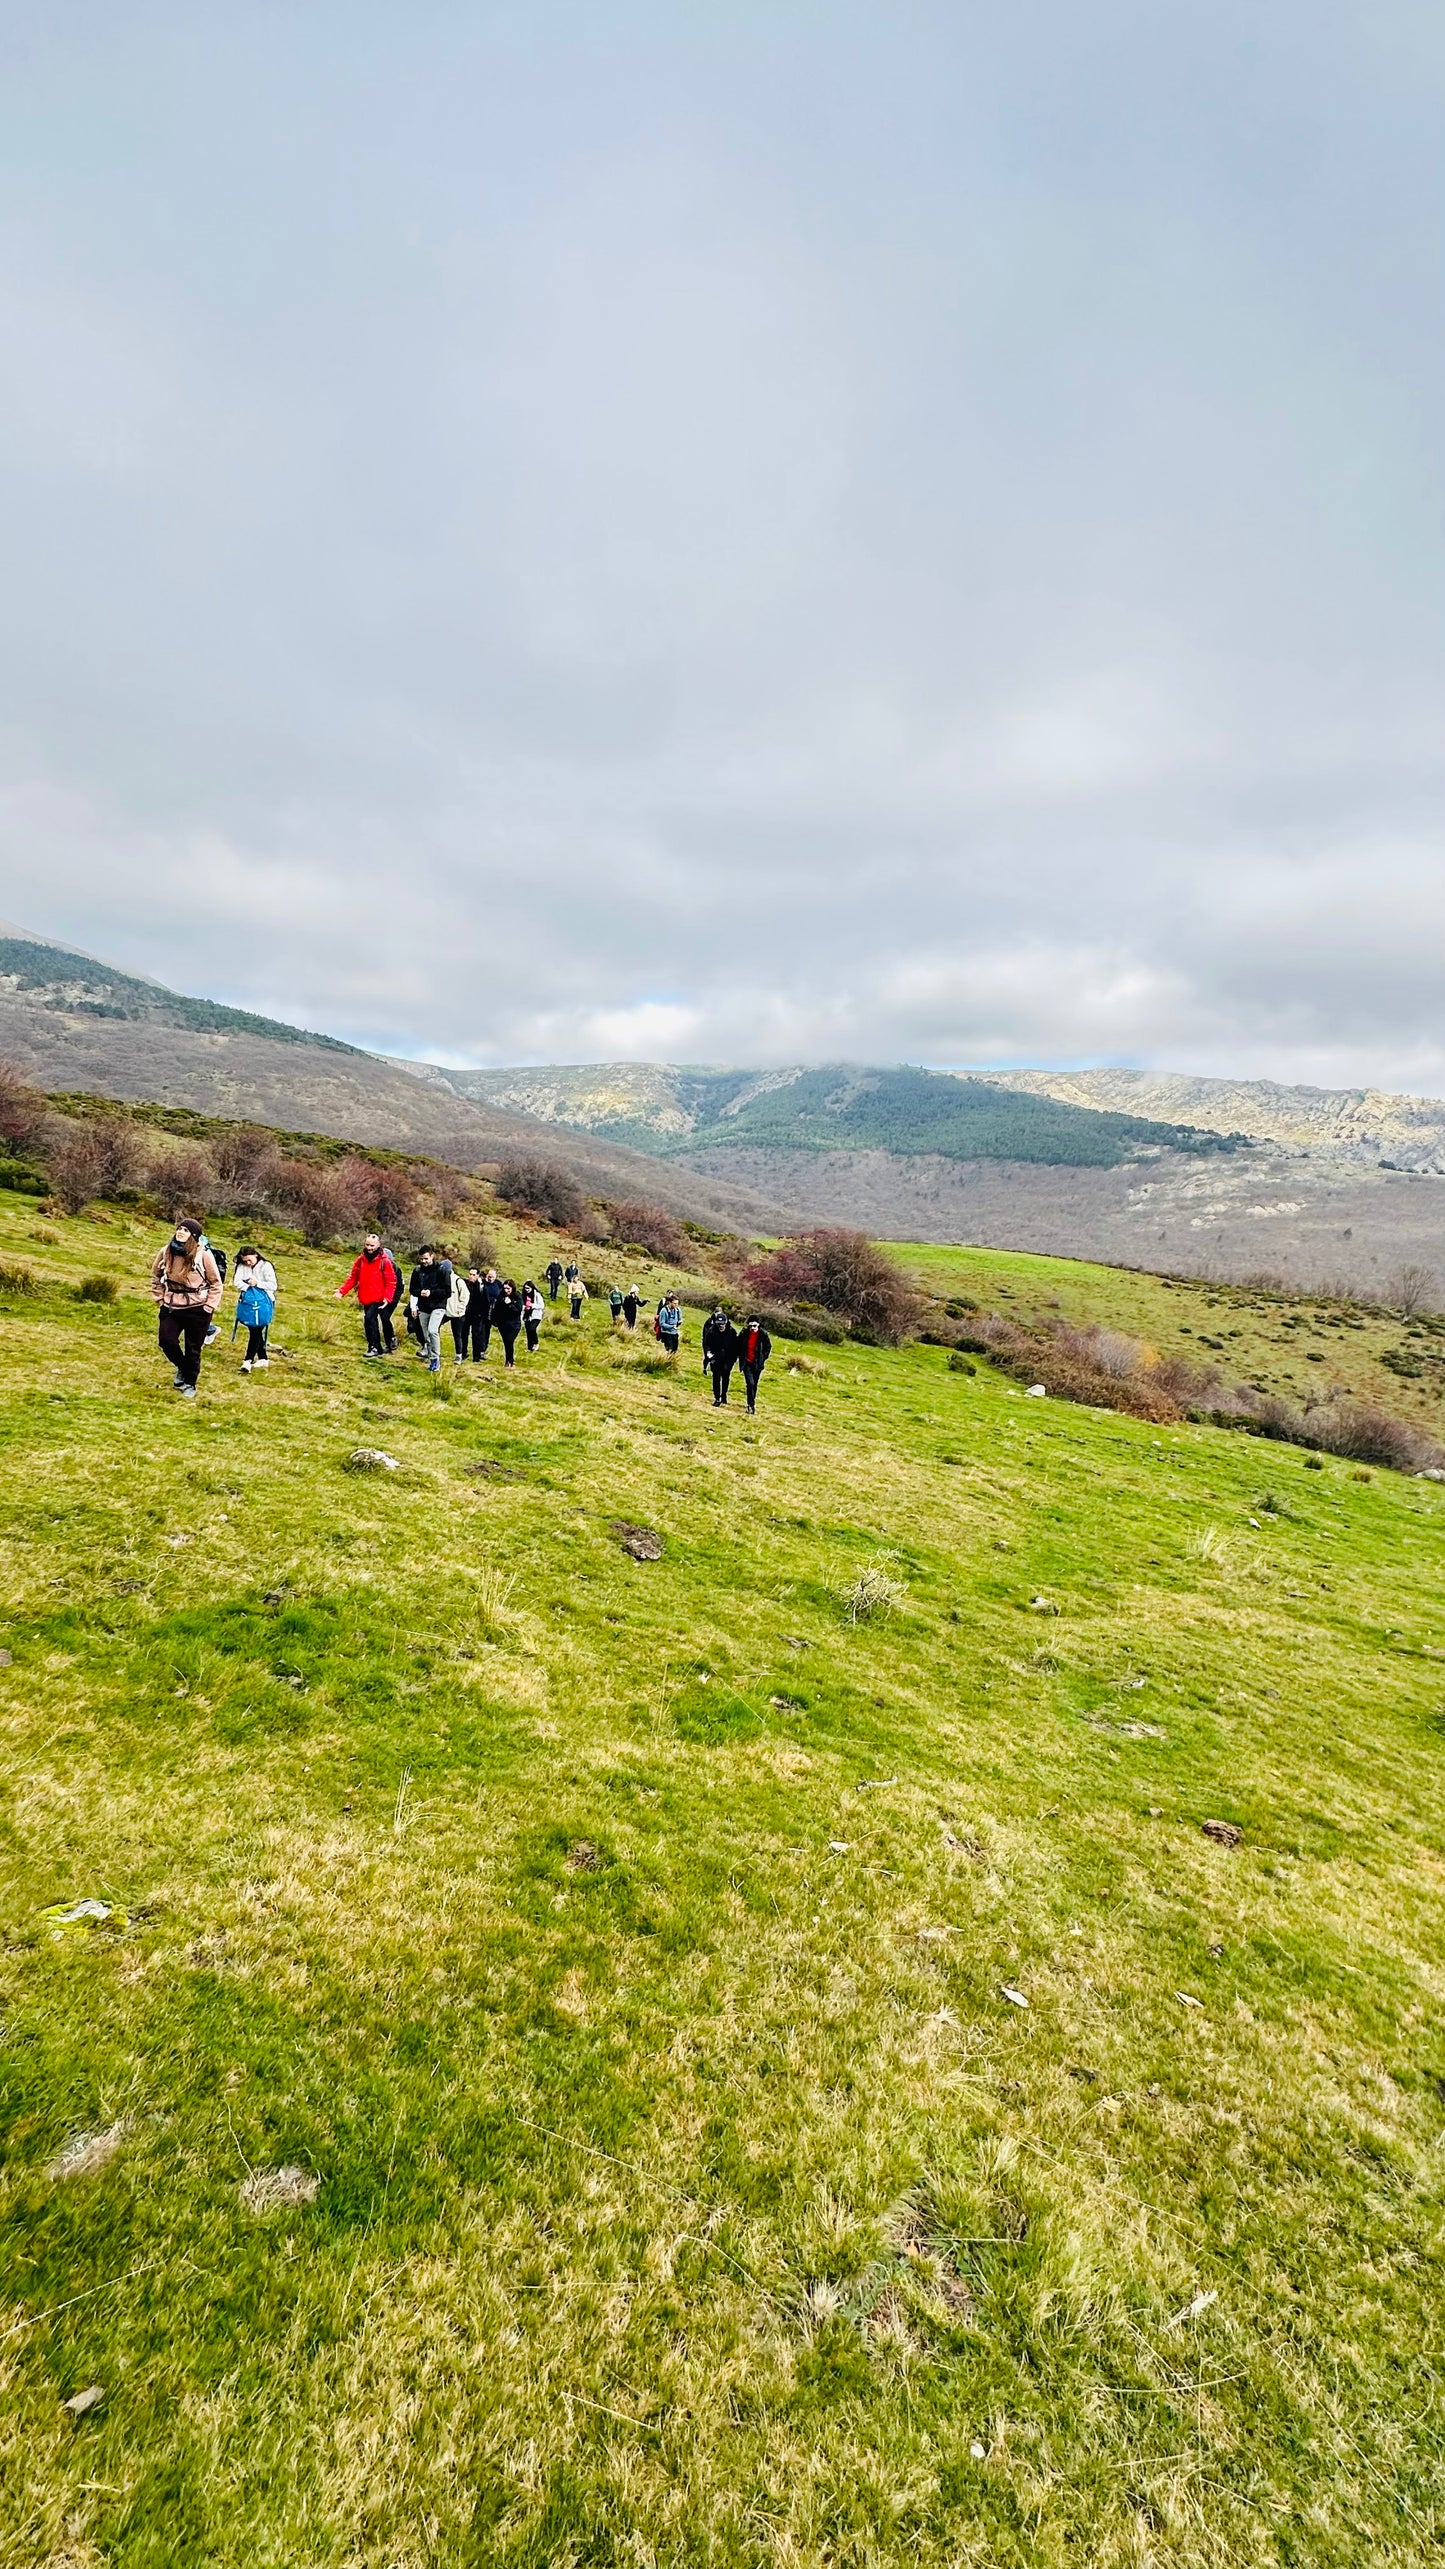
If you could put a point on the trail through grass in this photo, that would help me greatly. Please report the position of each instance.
(624, 1949)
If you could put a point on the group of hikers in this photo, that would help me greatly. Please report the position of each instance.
(188, 1281)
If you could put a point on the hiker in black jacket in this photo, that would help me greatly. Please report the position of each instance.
(507, 1318)
(476, 1321)
(491, 1296)
(632, 1303)
(553, 1272)
(754, 1349)
(430, 1292)
(719, 1353)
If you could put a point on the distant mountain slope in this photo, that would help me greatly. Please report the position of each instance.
(1368, 1123)
(72, 984)
(837, 1107)
(72, 1022)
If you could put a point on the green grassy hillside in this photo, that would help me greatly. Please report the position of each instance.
(623, 1952)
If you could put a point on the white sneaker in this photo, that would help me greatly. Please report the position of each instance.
(262, 1360)
(245, 1364)
(187, 1390)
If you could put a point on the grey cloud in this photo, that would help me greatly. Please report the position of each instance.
(901, 532)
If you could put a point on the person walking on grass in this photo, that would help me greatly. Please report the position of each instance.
(507, 1319)
(491, 1296)
(668, 1324)
(476, 1326)
(431, 1291)
(186, 1282)
(576, 1293)
(256, 1288)
(534, 1312)
(614, 1304)
(754, 1349)
(632, 1303)
(377, 1286)
(459, 1315)
(719, 1353)
(213, 1333)
(572, 1274)
(554, 1276)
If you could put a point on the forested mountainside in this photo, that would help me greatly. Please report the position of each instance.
(70, 984)
(836, 1107)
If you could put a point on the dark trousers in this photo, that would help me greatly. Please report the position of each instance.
(255, 1345)
(376, 1321)
(182, 1336)
(668, 1341)
(509, 1344)
(722, 1375)
(752, 1375)
(482, 1331)
(531, 1326)
(461, 1337)
(388, 1334)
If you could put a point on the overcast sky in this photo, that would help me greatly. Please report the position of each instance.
(745, 532)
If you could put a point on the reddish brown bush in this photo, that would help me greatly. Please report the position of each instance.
(650, 1227)
(541, 1188)
(245, 1168)
(325, 1202)
(843, 1272)
(23, 1111)
(94, 1156)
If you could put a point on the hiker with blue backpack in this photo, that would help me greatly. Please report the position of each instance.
(256, 1290)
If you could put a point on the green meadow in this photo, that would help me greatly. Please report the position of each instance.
(626, 2062)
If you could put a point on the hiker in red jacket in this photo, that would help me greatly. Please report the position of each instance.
(376, 1285)
(754, 1349)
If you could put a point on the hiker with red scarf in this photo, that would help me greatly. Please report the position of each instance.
(376, 1285)
(186, 1282)
(754, 1349)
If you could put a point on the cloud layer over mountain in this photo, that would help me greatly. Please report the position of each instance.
(902, 531)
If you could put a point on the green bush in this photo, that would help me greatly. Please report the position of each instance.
(97, 1289)
(18, 1280)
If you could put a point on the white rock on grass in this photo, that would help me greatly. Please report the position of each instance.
(371, 1458)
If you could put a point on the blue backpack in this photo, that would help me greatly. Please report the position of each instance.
(254, 1309)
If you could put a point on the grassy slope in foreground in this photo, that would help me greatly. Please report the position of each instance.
(689, 2191)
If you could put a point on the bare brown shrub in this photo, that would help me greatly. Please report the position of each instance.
(184, 1180)
(245, 1165)
(541, 1188)
(1415, 1288)
(94, 1156)
(325, 1203)
(845, 1273)
(23, 1111)
(650, 1227)
(1362, 1432)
